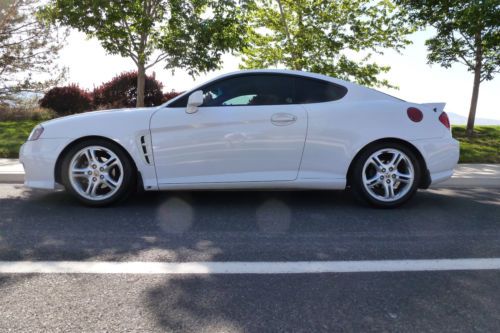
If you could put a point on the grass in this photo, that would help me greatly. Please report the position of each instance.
(483, 147)
(12, 135)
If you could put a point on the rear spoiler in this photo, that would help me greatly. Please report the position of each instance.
(436, 107)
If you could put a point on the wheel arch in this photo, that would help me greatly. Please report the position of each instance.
(425, 180)
(58, 165)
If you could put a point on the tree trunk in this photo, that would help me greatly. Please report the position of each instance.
(295, 65)
(141, 84)
(473, 102)
(475, 88)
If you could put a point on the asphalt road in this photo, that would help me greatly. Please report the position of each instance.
(250, 226)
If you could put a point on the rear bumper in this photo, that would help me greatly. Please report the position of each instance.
(441, 157)
(39, 159)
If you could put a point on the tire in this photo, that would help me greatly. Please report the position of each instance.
(381, 182)
(98, 172)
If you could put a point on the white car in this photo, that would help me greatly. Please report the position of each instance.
(258, 129)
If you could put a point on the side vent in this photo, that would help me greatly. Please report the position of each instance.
(145, 150)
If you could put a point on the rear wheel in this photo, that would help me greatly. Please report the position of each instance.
(97, 172)
(386, 175)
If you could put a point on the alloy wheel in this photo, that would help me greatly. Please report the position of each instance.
(388, 175)
(95, 173)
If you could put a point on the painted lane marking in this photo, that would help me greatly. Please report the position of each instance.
(280, 267)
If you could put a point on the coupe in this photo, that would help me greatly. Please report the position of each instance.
(258, 129)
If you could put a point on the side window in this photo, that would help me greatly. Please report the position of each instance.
(317, 91)
(257, 89)
(240, 100)
(260, 89)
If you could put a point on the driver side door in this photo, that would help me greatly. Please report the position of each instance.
(248, 129)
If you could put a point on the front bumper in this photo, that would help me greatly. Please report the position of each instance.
(39, 159)
(441, 157)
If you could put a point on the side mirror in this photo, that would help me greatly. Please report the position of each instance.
(194, 100)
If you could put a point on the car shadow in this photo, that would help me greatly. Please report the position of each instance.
(182, 226)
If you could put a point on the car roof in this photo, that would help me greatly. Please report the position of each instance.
(289, 72)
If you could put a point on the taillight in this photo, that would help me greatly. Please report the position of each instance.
(443, 118)
(415, 114)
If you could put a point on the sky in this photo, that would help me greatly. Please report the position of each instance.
(418, 82)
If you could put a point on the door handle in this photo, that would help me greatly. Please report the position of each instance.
(283, 119)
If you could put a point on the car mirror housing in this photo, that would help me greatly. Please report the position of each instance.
(194, 101)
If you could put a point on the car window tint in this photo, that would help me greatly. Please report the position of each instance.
(267, 89)
(317, 91)
(250, 90)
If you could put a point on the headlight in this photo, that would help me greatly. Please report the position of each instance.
(35, 133)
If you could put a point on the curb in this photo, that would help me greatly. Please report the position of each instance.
(469, 182)
(12, 178)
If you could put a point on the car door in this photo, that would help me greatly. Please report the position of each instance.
(248, 129)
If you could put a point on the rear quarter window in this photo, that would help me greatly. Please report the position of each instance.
(317, 91)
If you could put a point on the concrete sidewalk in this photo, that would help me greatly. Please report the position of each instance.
(466, 175)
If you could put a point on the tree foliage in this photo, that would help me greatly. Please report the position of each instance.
(192, 34)
(28, 47)
(462, 27)
(121, 91)
(336, 38)
(467, 32)
(67, 100)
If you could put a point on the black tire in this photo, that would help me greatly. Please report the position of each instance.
(127, 186)
(357, 184)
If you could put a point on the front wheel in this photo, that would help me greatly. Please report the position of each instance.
(97, 172)
(386, 175)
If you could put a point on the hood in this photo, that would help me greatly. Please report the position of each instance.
(100, 114)
(98, 122)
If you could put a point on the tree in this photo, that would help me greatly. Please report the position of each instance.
(467, 32)
(192, 34)
(121, 91)
(320, 35)
(27, 47)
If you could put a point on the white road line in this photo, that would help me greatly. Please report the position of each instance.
(297, 267)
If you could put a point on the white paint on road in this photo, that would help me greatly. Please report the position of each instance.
(280, 267)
